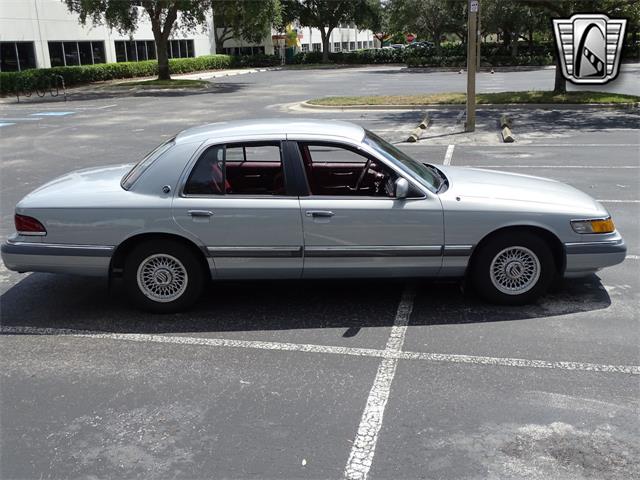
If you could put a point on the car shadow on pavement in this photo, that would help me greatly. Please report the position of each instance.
(67, 302)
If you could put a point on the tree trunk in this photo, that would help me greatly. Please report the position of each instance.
(163, 58)
(437, 43)
(221, 38)
(514, 46)
(560, 85)
(325, 36)
(506, 38)
(530, 41)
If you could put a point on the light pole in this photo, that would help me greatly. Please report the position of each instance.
(472, 37)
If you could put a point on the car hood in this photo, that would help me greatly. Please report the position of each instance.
(514, 187)
(86, 187)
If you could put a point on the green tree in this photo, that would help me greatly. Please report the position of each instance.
(512, 21)
(427, 18)
(326, 15)
(123, 16)
(249, 19)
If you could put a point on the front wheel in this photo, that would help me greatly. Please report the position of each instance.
(513, 269)
(163, 276)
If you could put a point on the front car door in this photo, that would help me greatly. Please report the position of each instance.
(235, 198)
(353, 224)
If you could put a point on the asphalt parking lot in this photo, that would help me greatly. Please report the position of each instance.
(331, 379)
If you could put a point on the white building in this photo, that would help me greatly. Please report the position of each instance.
(345, 38)
(43, 33)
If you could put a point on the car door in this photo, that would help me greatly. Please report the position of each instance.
(235, 200)
(360, 229)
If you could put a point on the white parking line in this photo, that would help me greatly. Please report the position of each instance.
(607, 167)
(364, 445)
(449, 155)
(619, 201)
(533, 144)
(310, 348)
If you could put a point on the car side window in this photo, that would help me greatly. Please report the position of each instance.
(334, 169)
(253, 168)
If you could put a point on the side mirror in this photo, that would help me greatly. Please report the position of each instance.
(402, 188)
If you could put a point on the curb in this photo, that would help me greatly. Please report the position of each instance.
(482, 106)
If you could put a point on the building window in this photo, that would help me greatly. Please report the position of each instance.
(352, 45)
(317, 47)
(359, 45)
(135, 50)
(305, 47)
(17, 56)
(65, 54)
(336, 47)
(370, 43)
(180, 49)
(345, 46)
(247, 50)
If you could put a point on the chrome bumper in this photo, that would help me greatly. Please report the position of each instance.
(584, 258)
(92, 260)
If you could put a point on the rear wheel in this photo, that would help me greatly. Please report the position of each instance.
(163, 276)
(513, 268)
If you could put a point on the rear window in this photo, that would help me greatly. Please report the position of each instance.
(139, 168)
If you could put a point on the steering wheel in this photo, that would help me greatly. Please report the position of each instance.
(362, 175)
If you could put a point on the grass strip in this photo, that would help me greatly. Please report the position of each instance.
(582, 97)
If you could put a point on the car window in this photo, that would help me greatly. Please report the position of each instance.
(334, 169)
(238, 169)
(416, 169)
(139, 168)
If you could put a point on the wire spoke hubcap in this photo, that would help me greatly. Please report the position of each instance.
(162, 277)
(515, 270)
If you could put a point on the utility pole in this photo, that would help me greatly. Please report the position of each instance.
(472, 38)
(479, 39)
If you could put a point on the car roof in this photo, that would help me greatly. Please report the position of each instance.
(271, 126)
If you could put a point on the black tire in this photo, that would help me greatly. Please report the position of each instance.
(514, 253)
(174, 274)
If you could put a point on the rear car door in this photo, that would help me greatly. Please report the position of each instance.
(353, 224)
(235, 199)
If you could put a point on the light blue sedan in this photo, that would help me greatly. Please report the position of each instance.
(271, 199)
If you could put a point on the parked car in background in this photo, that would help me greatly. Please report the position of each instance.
(421, 45)
(272, 199)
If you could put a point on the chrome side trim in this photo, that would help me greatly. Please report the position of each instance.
(57, 249)
(457, 250)
(609, 246)
(32, 234)
(374, 251)
(255, 252)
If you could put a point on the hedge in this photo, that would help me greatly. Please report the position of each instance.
(490, 61)
(29, 79)
(449, 55)
(372, 56)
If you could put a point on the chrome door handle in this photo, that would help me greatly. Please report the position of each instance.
(319, 213)
(200, 213)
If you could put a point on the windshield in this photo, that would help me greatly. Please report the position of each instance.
(428, 177)
(138, 169)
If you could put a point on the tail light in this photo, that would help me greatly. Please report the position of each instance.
(29, 226)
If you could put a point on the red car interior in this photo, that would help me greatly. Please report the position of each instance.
(244, 173)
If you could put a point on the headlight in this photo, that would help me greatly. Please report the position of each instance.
(599, 225)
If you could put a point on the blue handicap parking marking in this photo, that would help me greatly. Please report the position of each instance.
(51, 114)
(4, 124)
